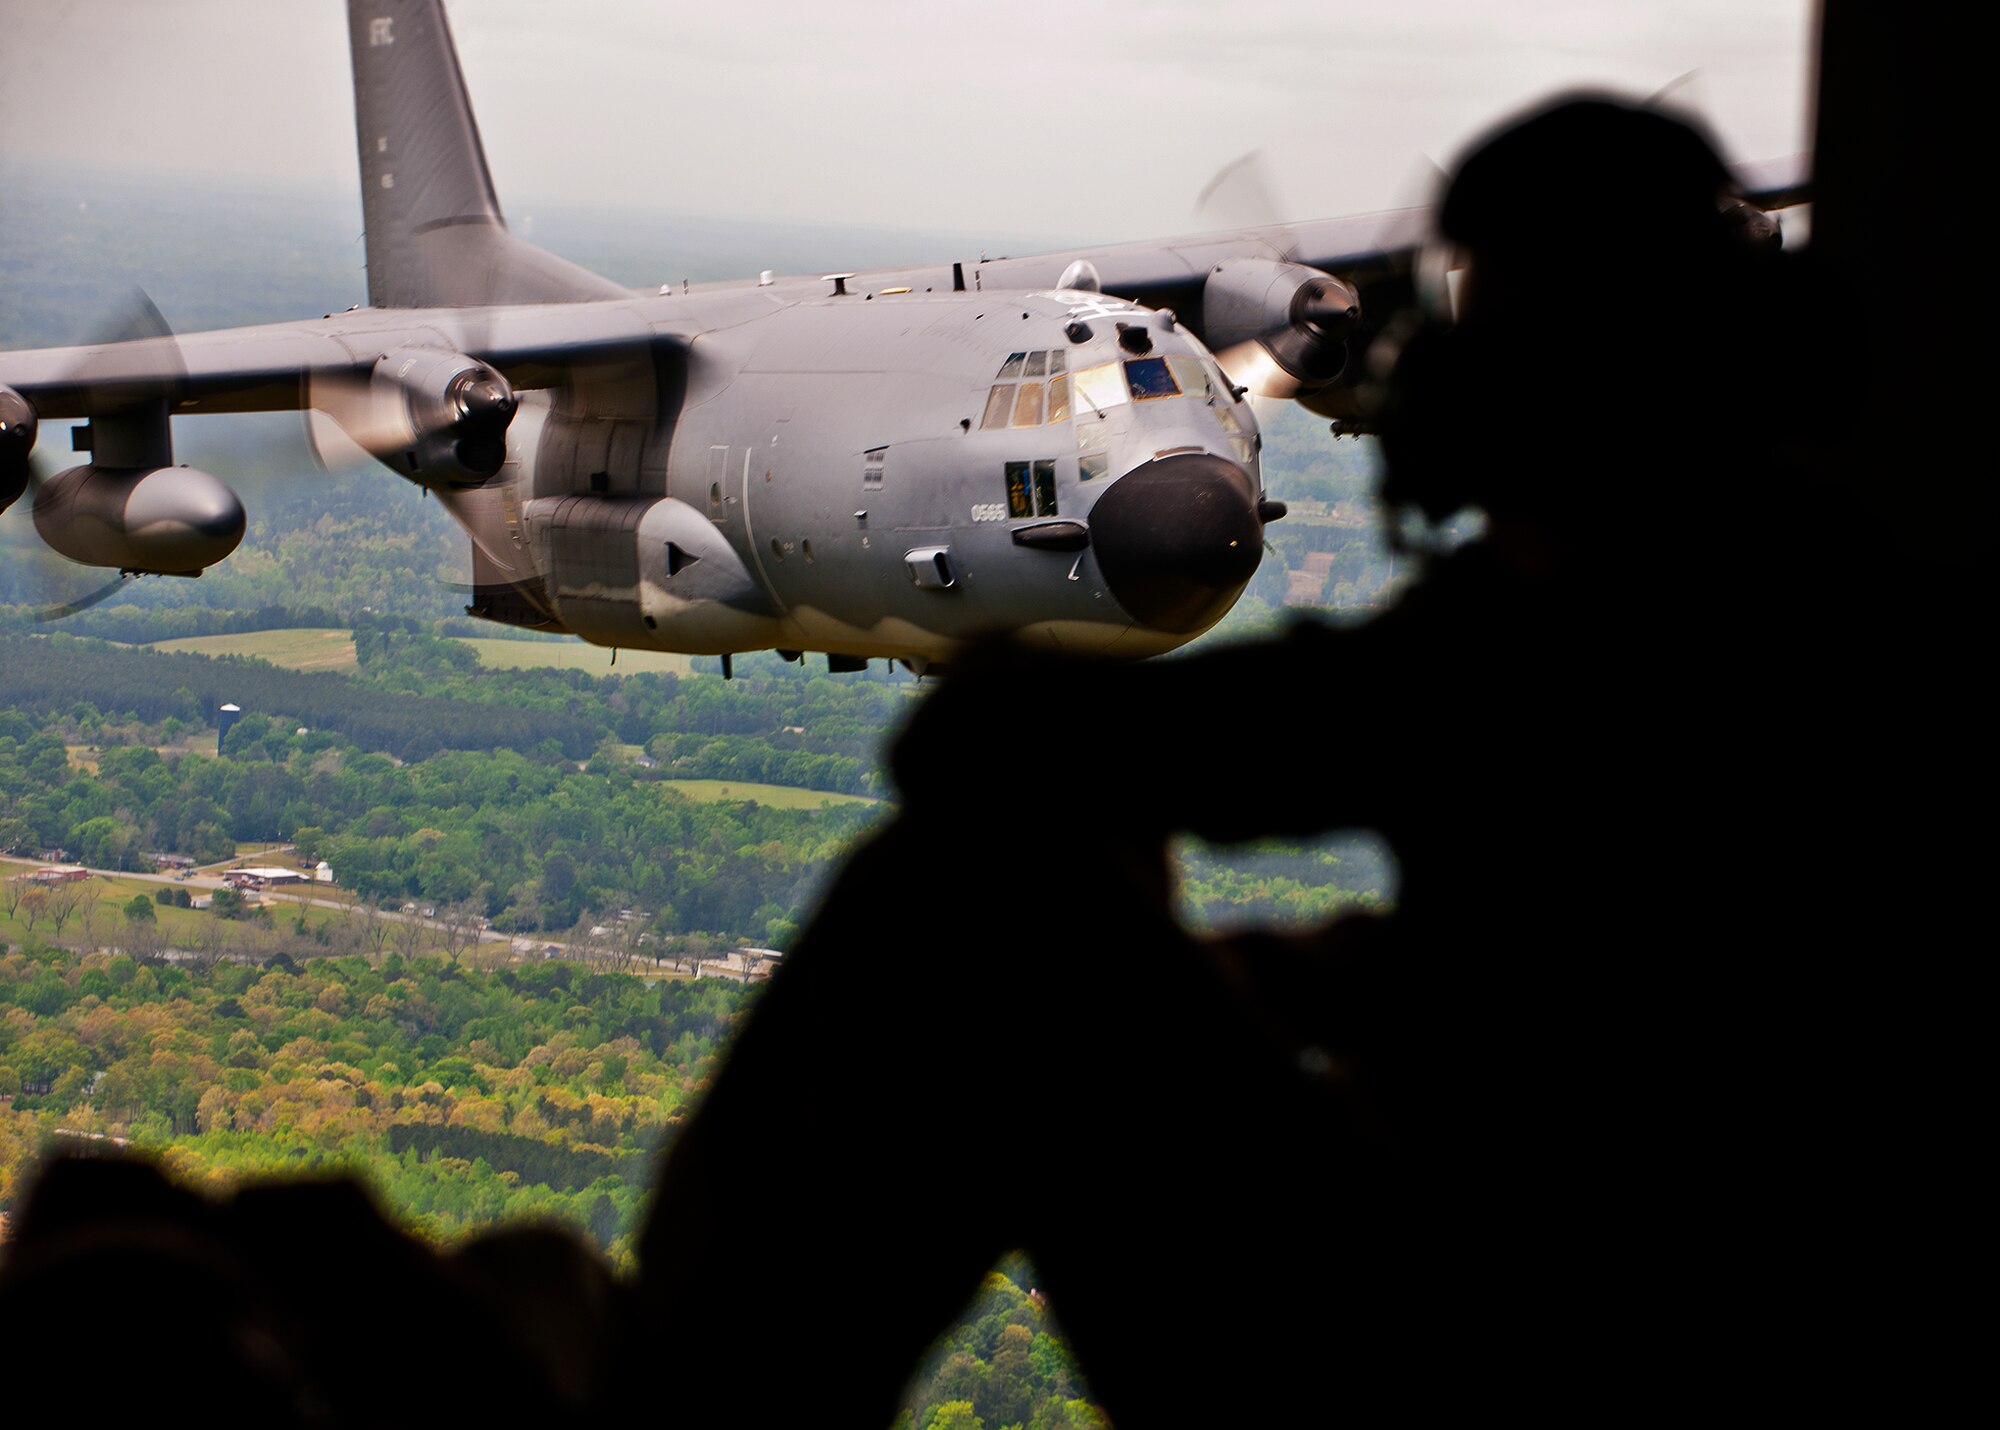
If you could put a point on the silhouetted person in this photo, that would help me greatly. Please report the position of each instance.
(1509, 1144)
(293, 1303)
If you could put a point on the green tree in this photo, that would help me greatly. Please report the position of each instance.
(1008, 1394)
(961, 1377)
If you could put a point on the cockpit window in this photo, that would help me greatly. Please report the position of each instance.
(1028, 405)
(1201, 378)
(1150, 379)
(1100, 388)
(1020, 496)
(1024, 406)
(1092, 458)
(1045, 488)
(1041, 364)
(1193, 376)
(1031, 489)
(1058, 398)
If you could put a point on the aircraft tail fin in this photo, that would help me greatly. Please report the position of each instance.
(435, 234)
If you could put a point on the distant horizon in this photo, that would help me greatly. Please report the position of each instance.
(227, 251)
(30, 179)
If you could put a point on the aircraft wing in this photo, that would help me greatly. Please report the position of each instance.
(1159, 272)
(1353, 248)
(274, 367)
(1285, 306)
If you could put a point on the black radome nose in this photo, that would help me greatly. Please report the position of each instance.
(1177, 539)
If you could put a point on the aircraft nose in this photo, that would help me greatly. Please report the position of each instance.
(1177, 539)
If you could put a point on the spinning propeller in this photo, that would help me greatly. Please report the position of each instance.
(130, 509)
(437, 417)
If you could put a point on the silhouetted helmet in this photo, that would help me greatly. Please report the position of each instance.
(1600, 238)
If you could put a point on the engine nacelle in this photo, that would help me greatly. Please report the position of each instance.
(625, 571)
(438, 418)
(171, 521)
(17, 439)
(456, 410)
(1278, 329)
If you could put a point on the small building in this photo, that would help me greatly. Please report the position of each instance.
(323, 872)
(59, 874)
(265, 876)
(744, 965)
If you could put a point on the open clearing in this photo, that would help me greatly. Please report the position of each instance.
(573, 655)
(314, 649)
(776, 796)
(101, 921)
(293, 649)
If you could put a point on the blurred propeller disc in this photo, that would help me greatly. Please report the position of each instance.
(129, 469)
(1240, 195)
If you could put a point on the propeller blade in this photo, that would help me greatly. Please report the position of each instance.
(84, 602)
(133, 318)
(435, 416)
(351, 419)
(1683, 92)
(128, 507)
(1240, 195)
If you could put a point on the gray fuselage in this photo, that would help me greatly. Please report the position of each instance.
(878, 474)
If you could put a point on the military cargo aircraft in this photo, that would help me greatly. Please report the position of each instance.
(867, 465)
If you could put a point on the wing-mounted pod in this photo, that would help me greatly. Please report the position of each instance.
(131, 509)
(1278, 329)
(438, 418)
(170, 521)
(17, 440)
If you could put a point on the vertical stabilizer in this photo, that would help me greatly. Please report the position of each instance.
(434, 229)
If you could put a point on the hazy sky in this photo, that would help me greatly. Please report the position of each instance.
(1056, 117)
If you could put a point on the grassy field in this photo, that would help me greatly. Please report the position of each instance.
(104, 922)
(306, 649)
(775, 796)
(573, 655)
(312, 649)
